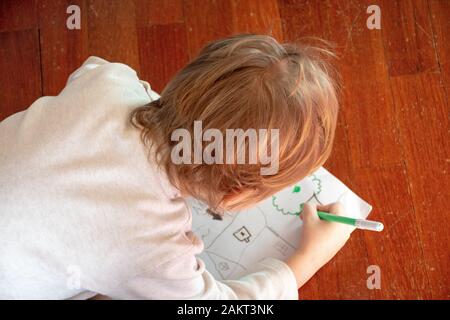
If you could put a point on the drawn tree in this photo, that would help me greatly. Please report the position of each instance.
(290, 201)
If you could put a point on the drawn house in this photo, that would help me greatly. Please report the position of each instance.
(242, 234)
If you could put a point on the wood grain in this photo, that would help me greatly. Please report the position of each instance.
(422, 112)
(62, 50)
(206, 21)
(254, 16)
(209, 20)
(20, 76)
(162, 52)
(293, 15)
(366, 97)
(408, 37)
(397, 251)
(112, 31)
(157, 12)
(18, 15)
(440, 20)
(392, 140)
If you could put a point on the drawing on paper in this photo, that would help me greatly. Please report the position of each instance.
(228, 263)
(242, 234)
(235, 244)
(291, 203)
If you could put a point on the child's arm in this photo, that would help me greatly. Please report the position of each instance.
(320, 241)
(185, 276)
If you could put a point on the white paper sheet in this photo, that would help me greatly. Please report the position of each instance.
(271, 229)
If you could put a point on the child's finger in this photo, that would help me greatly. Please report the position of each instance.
(309, 212)
(324, 207)
(336, 208)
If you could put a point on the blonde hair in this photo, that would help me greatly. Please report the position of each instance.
(246, 81)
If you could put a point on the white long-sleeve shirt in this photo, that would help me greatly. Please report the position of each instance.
(85, 211)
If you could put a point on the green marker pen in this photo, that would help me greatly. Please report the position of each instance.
(358, 223)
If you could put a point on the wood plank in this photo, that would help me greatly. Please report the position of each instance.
(324, 284)
(338, 163)
(260, 17)
(206, 21)
(162, 52)
(62, 50)
(367, 105)
(157, 12)
(20, 76)
(397, 250)
(301, 19)
(350, 270)
(310, 290)
(440, 18)
(408, 37)
(112, 31)
(17, 15)
(422, 112)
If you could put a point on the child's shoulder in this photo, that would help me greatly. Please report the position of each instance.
(95, 67)
(98, 83)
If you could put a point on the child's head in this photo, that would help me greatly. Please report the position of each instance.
(247, 82)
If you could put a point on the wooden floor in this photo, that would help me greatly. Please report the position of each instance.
(392, 144)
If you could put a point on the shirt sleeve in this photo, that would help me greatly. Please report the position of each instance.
(187, 278)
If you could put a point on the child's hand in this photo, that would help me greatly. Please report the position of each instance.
(320, 241)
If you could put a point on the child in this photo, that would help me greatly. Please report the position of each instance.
(91, 202)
